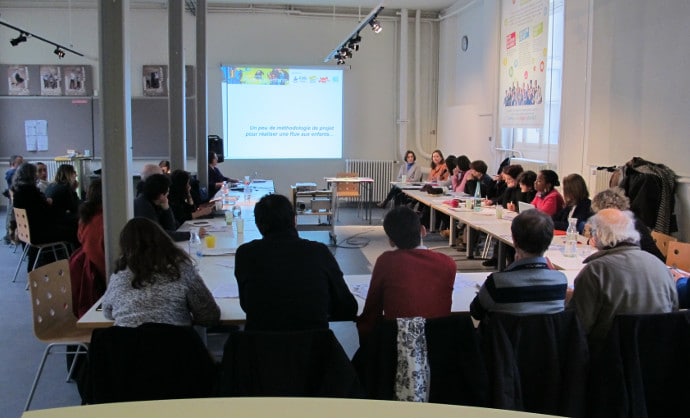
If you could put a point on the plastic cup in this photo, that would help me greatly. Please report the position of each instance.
(240, 225)
(403, 178)
(228, 217)
(210, 241)
(499, 211)
(219, 205)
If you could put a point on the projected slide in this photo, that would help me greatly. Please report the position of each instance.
(282, 113)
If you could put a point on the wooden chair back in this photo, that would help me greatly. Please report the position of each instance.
(51, 302)
(347, 189)
(662, 240)
(678, 255)
(23, 233)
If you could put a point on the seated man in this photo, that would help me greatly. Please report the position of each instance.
(528, 285)
(287, 283)
(148, 170)
(153, 204)
(409, 281)
(620, 278)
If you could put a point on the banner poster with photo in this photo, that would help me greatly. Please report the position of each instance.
(75, 80)
(524, 52)
(51, 81)
(155, 83)
(18, 80)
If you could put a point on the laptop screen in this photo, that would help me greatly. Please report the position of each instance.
(523, 206)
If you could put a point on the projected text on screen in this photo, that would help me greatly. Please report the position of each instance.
(282, 113)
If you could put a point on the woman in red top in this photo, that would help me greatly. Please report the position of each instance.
(439, 170)
(548, 199)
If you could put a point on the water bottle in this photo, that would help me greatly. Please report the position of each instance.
(194, 245)
(570, 249)
(478, 198)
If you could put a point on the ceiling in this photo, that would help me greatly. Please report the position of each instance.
(428, 5)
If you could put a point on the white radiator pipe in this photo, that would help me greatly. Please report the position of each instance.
(403, 85)
(417, 84)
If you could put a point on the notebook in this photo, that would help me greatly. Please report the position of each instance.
(524, 206)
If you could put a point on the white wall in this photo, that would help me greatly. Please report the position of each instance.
(371, 85)
(625, 90)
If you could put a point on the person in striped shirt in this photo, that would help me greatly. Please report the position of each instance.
(528, 285)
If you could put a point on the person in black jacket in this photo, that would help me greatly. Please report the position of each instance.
(577, 203)
(287, 283)
(153, 204)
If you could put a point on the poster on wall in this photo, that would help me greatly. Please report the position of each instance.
(524, 52)
(51, 81)
(18, 80)
(75, 80)
(36, 135)
(155, 83)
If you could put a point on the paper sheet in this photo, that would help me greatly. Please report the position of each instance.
(226, 290)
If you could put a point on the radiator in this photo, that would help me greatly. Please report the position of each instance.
(599, 177)
(530, 164)
(382, 171)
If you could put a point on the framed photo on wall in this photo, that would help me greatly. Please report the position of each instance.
(51, 81)
(18, 80)
(75, 80)
(155, 80)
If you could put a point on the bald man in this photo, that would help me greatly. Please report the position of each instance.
(619, 278)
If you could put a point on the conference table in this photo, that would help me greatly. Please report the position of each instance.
(273, 407)
(485, 220)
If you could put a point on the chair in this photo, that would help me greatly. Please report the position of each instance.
(347, 189)
(24, 235)
(642, 368)
(536, 363)
(678, 255)
(54, 322)
(662, 240)
(457, 370)
(286, 364)
(149, 362)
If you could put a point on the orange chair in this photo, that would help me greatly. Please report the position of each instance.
(678, 255)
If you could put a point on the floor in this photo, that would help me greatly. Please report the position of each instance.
(358, 245)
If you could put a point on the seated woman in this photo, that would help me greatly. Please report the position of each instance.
(615, 198)
(577, 203)
(525, 191)
(181, 201)
(412, 173)
(509, 173)
(462, 165)
(43, 220)
(63, 192)
(548, 200)
(165, 166)
(215, 176)
(409, 281)
(87, 264)
(156, 281)
(439, 170)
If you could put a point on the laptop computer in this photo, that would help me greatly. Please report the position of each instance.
(524, 206)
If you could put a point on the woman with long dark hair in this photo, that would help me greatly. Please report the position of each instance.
(156, 281)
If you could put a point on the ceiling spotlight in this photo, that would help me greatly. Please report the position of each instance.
(18, 40)
(375, 25)
(340, 61)
(353, 43)
(345, 52)
(59, 52)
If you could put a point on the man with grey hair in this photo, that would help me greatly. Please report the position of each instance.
(148, 170)
(619, 278)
